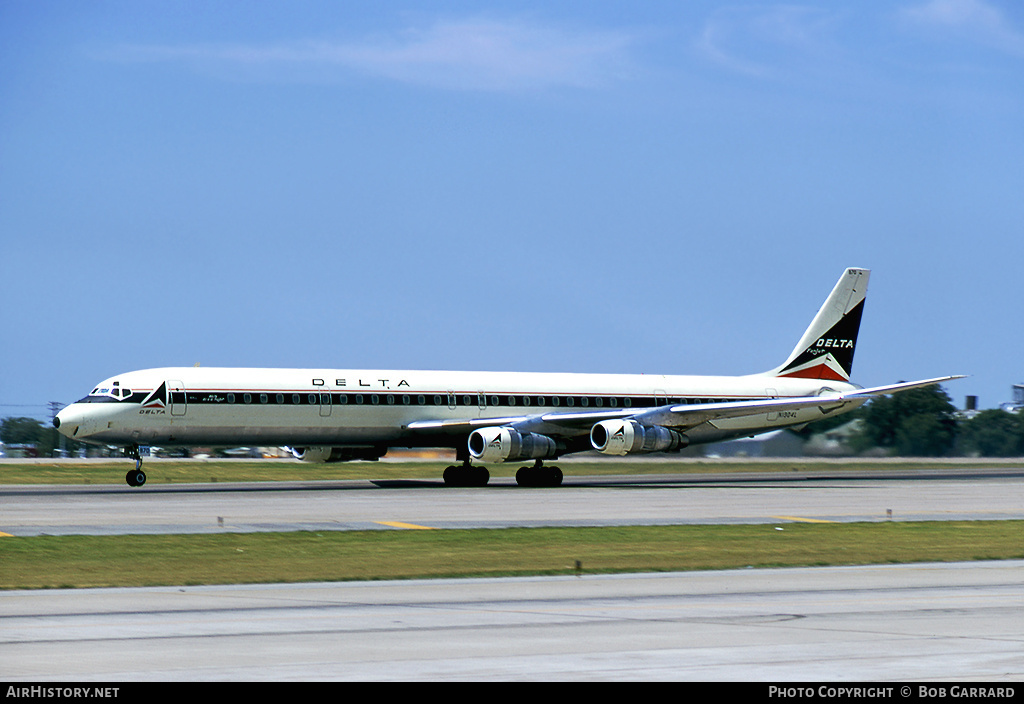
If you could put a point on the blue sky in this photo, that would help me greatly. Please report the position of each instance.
(657, 187)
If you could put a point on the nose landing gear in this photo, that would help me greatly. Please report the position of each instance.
(135, 477)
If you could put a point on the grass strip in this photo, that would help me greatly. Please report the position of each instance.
(167, 471)
(247, 558)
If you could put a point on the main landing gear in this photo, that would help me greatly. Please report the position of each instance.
(135, 477)
(466, 474)
(539, 475)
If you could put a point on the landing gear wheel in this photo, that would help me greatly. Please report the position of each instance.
(539, 475)
(466, 475)
(555, 479)
(136, 477)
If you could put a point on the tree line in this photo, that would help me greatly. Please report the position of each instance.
(925, 423)
(31, 432)
(917, 423)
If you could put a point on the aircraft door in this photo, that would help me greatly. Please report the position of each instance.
(325, 404)
(177, 401)
(772, 393)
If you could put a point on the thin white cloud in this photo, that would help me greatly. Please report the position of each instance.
(975, 20)
(484, 55)
(714, 44)
(764, 41)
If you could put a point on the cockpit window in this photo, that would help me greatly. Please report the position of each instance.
(108, 393)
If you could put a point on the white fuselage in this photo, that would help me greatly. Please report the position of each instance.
(266, 407)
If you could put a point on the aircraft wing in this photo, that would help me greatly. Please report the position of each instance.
(685, 416)
(677, 416)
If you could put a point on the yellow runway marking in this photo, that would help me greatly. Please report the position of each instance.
(6, 535)
(397, 524)
(801, 520)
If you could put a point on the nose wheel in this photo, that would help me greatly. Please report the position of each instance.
(135, 477)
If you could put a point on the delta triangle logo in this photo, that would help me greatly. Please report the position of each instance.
(831, 355)
(157, 398)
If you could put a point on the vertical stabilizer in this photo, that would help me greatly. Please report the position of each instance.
(826, 349)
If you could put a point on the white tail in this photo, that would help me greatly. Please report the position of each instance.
(826, 349)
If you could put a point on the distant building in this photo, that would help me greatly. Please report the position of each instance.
(20, 450)
(778, 443)
(1017, 404)
(834, 442)
(970, 409)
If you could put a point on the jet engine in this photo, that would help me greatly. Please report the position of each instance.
(336, 454)
(627, 437)
(504, 444)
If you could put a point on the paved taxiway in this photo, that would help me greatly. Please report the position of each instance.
(583, 501)
(935, 622)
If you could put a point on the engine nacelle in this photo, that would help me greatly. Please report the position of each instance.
(627, 437)
(336, 454)
(504, 444)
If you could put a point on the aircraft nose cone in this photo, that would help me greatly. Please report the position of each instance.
(71, 422)
(60, 422)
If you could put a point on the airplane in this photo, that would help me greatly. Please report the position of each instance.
(329, 415)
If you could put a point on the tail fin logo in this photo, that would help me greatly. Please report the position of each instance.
(831, 355)
(844, 344)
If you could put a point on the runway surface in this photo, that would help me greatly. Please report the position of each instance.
(583, 501)
(934, 622)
